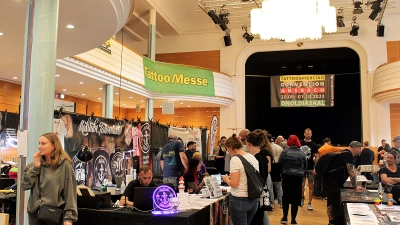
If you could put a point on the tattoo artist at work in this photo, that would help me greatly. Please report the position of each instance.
(57, 181)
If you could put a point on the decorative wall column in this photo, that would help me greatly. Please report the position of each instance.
(151, 53)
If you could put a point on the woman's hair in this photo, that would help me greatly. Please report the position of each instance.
(293, 140)
(266, 145)
(394, 153)
(197, 155)
(58, 151)
(257, 138)
(193, 163)
(233, 142)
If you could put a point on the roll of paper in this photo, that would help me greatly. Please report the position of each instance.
(128, 178)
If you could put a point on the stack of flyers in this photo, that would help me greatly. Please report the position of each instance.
(394, 217)
(383, 207)
(360, 213)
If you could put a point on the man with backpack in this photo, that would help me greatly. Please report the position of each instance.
(336, 167)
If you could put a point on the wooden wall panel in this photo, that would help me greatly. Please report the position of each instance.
(204, 59)
(393, 51)
(394, 121)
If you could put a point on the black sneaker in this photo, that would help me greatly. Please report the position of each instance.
(283, 220)
(293, 222)
(302, 202)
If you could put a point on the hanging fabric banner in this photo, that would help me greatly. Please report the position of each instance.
(302, 90)
(187, 134)
(104, 137)
(174, 79)
(146, 145)
(213, 133)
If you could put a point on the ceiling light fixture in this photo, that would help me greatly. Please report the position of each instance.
(70, 26)
(141, 100)
(15, 78)
(357, 7)
(340, 18)
(227, 38)
(130, 97)
(57, 75)
(181, 103)
(354, 27)
(81, 82)
(98, 98)
(117, 93)
(314, 15)
(247, 36)
(1, 33)
(100, 88)
(64, 89)
(83, 94)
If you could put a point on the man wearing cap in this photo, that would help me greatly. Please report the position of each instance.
(396, 146)
(173, 160)
(341, 167)
(385, 147)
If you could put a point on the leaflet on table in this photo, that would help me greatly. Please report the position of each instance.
(394, 217)
(383, 207)
(213, 186)
(360, 206)
(363, 218)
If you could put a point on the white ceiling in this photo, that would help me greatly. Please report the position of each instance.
(95, 21)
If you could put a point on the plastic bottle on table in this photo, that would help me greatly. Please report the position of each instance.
(123, 187)
(380, 191)
(390, 199)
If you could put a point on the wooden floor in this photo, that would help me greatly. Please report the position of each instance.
(317, 216)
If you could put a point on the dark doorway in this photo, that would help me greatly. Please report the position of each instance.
(342, 123)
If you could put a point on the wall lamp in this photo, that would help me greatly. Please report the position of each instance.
(354, 27)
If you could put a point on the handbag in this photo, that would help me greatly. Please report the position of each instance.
(265, 202)
(46, 213)
(255, 183)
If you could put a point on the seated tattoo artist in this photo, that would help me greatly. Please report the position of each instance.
(145, 179)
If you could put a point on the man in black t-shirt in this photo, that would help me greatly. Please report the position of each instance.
(311, 150)
(191, 149)
(145, 179)
(341, 167)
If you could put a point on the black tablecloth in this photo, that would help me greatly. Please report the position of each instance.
(381, 219)
(128, 217)
(348, 196)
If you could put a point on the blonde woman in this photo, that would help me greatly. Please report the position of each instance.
(57, 181)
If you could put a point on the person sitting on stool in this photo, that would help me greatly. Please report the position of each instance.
(145, 179)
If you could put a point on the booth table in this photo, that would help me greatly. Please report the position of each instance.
(209, 212)
(348, 195)
(381, 219)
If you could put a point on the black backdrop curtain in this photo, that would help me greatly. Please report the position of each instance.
(342, 123)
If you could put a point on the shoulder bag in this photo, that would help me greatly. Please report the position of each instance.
(48, 214)
(256, 186)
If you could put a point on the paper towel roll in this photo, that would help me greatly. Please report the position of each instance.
(128, 178)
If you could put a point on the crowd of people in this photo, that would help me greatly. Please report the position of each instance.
(295, 159)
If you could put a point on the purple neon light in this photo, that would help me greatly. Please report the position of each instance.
(161, 194)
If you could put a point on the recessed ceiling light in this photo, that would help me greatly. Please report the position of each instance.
(15, 78)
(70, 26)
(81, 82)
(57, 75)
(141, 100)
(1, 34)
(64, 89)
(130, 97)
(188, 105)
(83, 94)
(181, 103)
(123, 104)
(160, 106)
(98, 98)
(100, 88)
(117, 93)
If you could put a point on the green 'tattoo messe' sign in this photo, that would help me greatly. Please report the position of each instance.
(174, 79)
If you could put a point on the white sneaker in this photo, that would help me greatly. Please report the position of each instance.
(309, 207)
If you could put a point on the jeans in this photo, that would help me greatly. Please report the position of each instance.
(171, 180)
(266, 218)
(318, 192)
(270, 188)
(279, 192)
(242, 210)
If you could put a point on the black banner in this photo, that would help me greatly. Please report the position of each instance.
(302, 90)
